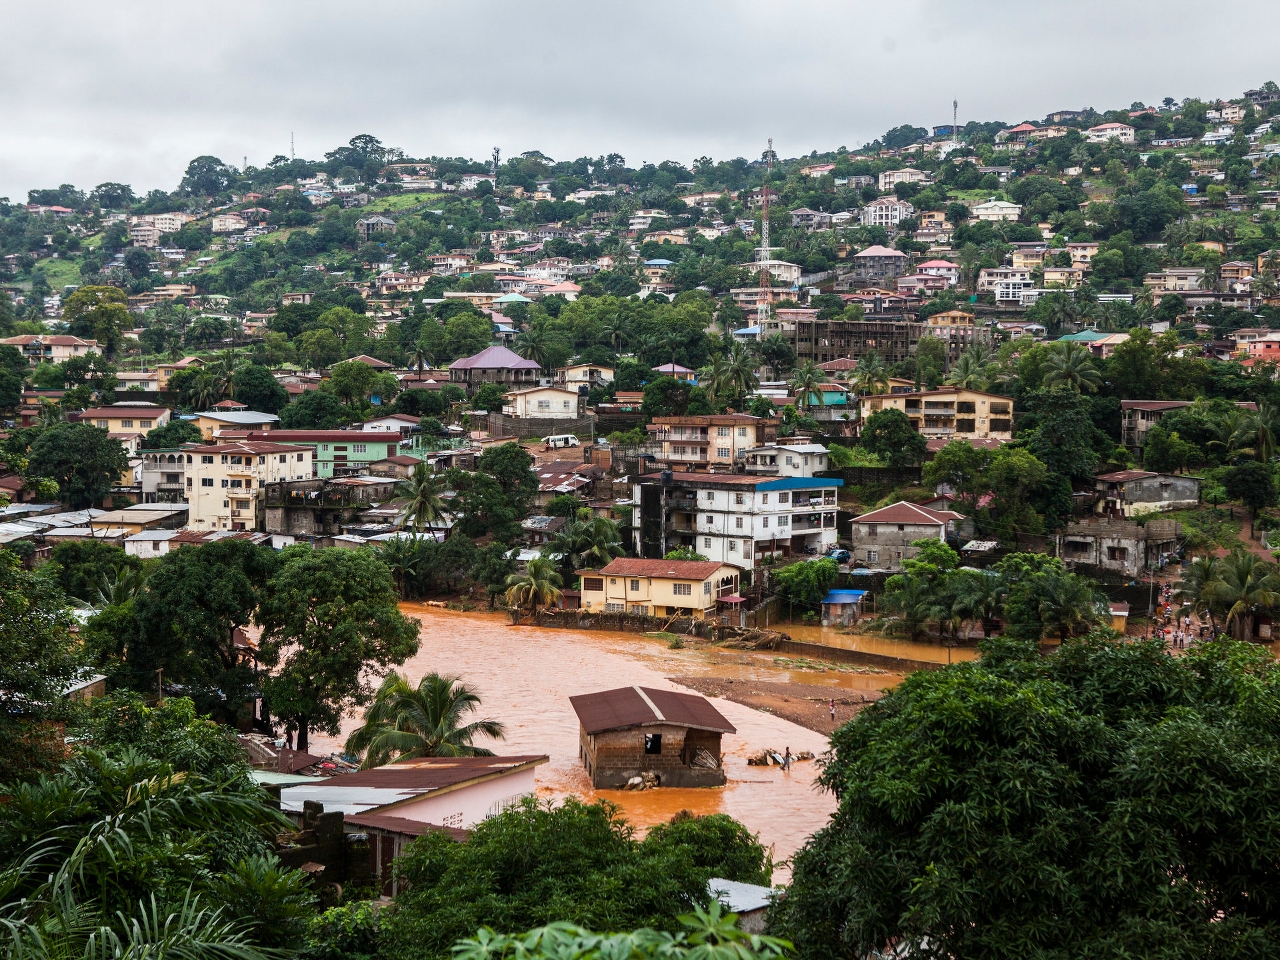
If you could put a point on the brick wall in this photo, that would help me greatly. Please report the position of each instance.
(500, 425)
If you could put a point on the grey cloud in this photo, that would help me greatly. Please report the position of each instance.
(132, 90)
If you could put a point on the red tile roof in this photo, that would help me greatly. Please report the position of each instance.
(677, 569)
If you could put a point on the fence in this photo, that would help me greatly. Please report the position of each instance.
(501, 425)
(877, 476)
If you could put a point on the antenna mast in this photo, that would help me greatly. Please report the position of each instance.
(766, 292)
(955, 130)
(292, 156)
(496, 157)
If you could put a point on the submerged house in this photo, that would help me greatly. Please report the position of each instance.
(632, 731)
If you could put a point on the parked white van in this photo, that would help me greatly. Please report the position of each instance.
(561, 440)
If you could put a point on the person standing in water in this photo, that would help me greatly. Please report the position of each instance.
(786, 760)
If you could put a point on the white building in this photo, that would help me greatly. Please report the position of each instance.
(885, 212)
(1105, 131)
(734, 518)
(891, 178)
(786, 459)
(225, 480)
(997, 210)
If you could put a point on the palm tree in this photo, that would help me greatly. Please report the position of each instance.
(532, 344)
(871, 376)
(1264, 285)
(603, 542)
(538, 586)
(1066, 603)
(1190, 590)
(807, 383)
(969, 373)
(51, 413)
(420, 357)
(1245, 585)
(405, 722)
(742, 369)
(1073, 365)
(402, 556)
(1256, 432)
(118, 585)
(914, 601)
(979, 596)
(776, 352)
(615, 332)
(1062, 313)
(424, 504)
(205, 391)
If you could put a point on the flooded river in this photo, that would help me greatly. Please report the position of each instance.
(525, 676)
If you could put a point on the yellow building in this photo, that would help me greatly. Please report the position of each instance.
(951, 413)
(225, 480)
(127, 418)
(542, 402)
(660, 588)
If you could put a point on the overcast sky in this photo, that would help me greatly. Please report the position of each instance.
(130, 91)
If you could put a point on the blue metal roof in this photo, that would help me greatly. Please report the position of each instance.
(798, 483)
(844, 596)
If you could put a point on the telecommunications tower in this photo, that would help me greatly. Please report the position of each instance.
(766, 293)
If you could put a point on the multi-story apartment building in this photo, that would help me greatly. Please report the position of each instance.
(786, 459)
(951, 413)
(336, 453)
(891, 178)
(734, 518)
(989, 277)
(225, 481)
(885, 212)
(50, 347)
(711, 442)
(879, 263)
(164, 475)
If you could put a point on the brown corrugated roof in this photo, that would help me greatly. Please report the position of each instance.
(903, 512)
(638, 706)
(410, 828)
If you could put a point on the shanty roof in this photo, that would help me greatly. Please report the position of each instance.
(1124, 476)
(641, 706)
(677, 569)
(903, 512)
(495, 358)
(410, 828)
(402, 781)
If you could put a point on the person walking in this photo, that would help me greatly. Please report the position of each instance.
(833, 711)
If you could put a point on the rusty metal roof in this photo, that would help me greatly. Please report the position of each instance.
(424, 774)
(402, 825)
(642, 706)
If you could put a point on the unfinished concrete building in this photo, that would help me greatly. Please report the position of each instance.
(1121, 546)
(834, 339)
(634, 731)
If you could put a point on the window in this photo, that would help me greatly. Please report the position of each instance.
(145, 424)
(966, 406)
(173, 478)
(341, 449)
(593, 584)
(706, 589)
(239, 460)
(102, 424)
(722, 452)
(765, 523)
(873, 556)
(708, 518)
(733, 546)
(324, 447)
(784, 497)
(790, 462)
(965, 425)
(737, 523)
(682, 589)
(710, 495)
(206, 481)
(189, 459)
(635, 585)
(225, 483)
(452, 820)
(301, 456)
(764, 498)
(722, 431)
(242, 504)
(358, 447)
(237, 483)
(615, 608)
(706, 541)
(284, 458)
(783, 520)
(205, 458)
(742, 431)
(126, 423)
(737, 498)
(653, 743)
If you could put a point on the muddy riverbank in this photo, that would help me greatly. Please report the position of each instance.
(808, 705)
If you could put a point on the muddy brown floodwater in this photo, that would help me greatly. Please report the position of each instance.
(525, 676)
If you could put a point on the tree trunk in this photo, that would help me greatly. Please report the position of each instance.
(303, 742)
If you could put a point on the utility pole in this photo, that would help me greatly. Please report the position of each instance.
(160, 684)
(765, 299)
(291, 153)
(955, 130)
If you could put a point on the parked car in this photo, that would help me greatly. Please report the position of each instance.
(840, 555)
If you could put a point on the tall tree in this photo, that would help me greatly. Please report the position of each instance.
(83, 459)
(329, 623)
(423, 499)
